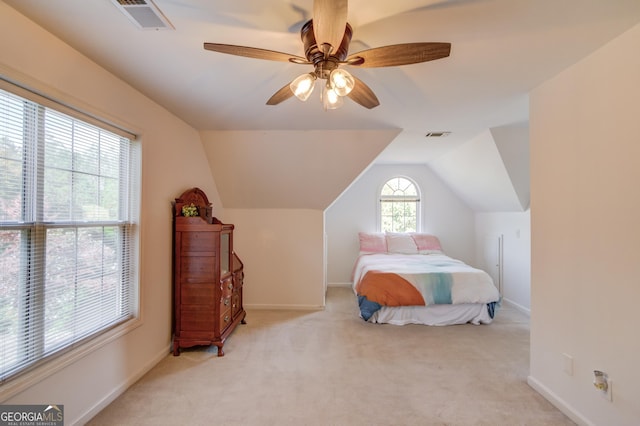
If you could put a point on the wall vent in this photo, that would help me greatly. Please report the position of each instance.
(144, 14)
(437, 134)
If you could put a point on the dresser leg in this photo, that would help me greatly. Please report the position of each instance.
(220, 351)
(176, 349)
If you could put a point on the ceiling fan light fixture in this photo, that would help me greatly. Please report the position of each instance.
(341, 82)
(330, 99)
(325, 38)
(303, 86)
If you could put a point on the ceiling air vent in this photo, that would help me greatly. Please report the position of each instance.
(144, 14)
(437, 134)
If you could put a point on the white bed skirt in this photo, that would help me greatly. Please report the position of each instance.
(474, 313)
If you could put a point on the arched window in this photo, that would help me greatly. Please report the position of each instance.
(399, 205)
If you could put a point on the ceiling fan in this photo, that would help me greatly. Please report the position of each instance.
(326, 39)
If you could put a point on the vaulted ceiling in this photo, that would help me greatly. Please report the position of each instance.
(501, 49)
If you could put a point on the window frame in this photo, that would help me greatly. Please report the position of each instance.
(38, 370)
(417, 200)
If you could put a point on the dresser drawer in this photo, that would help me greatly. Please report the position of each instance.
(225, 303)
(225, 319)
(226, 287)
(239, 277)
(235, 304)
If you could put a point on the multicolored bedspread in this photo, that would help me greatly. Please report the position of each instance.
(418, 279)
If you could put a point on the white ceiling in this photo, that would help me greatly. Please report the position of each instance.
(501, 49)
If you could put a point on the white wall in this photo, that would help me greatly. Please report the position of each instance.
(515, 229)
(478, 173)
(444, 215)
(585, 158)
(172, 161)
(282, 252)
(512, 142)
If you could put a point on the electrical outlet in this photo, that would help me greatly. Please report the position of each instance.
(604, 384)
(568, 364)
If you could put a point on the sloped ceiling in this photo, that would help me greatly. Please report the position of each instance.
(501, 49)
(289, 169)
(491, 171)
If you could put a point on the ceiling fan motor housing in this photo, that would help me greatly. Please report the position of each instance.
(324, 66)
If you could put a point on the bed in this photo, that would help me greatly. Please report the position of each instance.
(406, 278)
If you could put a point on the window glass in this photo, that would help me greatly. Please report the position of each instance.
(399, 206)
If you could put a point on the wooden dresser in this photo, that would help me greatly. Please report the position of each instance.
(208, 276)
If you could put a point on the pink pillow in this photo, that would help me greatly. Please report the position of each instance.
(371, 242)
(427, 243)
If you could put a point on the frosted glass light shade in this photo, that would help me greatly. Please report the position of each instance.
(303, 86)
(341, 81)
(330, 99)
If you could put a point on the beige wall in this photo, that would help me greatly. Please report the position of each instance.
(282, 252)
(172, 161)
(585, 171)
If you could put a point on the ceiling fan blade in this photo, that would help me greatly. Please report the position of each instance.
(399, 54)
(281, 95)
(329, 22)
(363, 95)
(254, 52)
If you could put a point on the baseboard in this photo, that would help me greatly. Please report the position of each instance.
(558, 402)
(518, 307)
(115, 393)
(340, 285)
(283, 307)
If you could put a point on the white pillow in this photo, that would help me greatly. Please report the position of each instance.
(400, 243)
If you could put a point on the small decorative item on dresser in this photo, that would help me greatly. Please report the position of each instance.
(190, 210)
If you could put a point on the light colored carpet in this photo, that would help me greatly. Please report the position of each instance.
(332, 368)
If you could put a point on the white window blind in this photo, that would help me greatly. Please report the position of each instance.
(68, 231)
